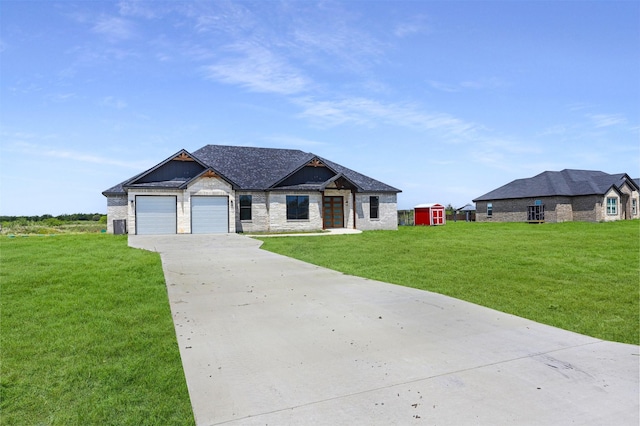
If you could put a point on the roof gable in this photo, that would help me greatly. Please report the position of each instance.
(249, 168)
(567, 182)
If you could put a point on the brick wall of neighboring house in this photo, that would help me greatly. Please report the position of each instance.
(587, 208)
(117, 209)
(556, 209)
(387, 212)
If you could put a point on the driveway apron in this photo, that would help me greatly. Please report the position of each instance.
(269, 340)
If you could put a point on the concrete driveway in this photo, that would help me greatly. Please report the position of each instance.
(268, 340)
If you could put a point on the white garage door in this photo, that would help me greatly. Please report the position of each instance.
(155, 214)
(209, 215)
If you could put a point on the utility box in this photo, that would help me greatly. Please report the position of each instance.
(429, 214)
(120, 226)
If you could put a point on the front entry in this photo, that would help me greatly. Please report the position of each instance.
(333, 212)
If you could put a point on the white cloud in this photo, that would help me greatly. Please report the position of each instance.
(365, 111)
(260, 70)
(606, 120)
(114, 28)
(480, 84)
(46, 151)
(293, 141)
(415, 25)
(113, 102)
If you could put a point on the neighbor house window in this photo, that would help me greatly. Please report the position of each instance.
(297, 207)
(612, 205)
(245, 207)
(374, 207)
(634, 206)
(489, 209)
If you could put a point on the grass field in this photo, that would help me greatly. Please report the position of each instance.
(583, 277)
(86, 335)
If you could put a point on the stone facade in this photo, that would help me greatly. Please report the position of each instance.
(588, 208)
(268, 209)
(387, 212)
(117, 209)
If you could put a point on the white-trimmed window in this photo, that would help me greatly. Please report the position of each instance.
(489, 209)
(634, 206)
(612, 206)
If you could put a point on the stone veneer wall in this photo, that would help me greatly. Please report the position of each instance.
(277, 202)
(387, 212)
(117, 209)
(259, 213)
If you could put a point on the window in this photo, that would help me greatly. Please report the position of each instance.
(634, 206)
(374, 207)
(245, 207)
(297, 207)
(612, 205)
(489, 209)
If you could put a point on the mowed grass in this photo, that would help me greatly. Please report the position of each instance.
(583, 277)
(86, 335)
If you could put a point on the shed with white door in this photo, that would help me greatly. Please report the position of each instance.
(429, 214)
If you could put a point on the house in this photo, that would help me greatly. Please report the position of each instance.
(429, 214)
(221, 189)
(567, 195)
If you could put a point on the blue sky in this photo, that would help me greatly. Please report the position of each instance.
(445, 100)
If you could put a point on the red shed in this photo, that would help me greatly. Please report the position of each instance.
(429, 214)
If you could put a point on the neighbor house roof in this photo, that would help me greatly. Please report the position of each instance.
(249, 168)
(567, 182)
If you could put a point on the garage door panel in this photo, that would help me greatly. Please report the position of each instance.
(155, 214)
(209, 215)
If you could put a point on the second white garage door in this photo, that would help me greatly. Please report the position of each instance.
(209, 215)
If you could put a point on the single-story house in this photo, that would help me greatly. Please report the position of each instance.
(221, 189)
(567, 195)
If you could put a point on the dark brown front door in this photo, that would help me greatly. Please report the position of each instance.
(333, 212)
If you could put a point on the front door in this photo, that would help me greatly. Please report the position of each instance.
(333, 212)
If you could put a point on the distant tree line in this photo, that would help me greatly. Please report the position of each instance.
(95, 217)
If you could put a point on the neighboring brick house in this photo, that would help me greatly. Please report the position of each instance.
(221, 189)
(568, 195)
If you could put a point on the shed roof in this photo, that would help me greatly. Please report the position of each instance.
(428, 205)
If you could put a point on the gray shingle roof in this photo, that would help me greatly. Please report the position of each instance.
(249, 168)
(567, 182)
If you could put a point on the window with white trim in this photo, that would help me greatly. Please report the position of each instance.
(489, 209)
(634, 206)
(612, 206)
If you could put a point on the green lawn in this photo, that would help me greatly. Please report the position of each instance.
(583, 277)
(86, 335)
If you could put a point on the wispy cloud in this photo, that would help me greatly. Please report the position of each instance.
(480, 84)
(32, 149)
(365, 111)
(258, 69)
(114, 28)
(606, 120)
(414, 25)
(113, 102)
(292, 141)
